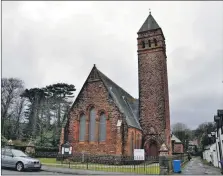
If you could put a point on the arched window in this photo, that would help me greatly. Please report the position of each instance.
(102, 128)
(155, 42)
(82, 128)
(149, 42)
(92, 125)
(138, 142)
(143, 44)
(132, 144)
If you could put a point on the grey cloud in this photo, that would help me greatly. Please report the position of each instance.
(194, 110)
(49, 42)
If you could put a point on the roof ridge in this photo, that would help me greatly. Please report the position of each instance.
(176, 138)
(131, 111)
(117, 94)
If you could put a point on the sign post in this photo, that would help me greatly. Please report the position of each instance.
(66, 150)
(139, 154)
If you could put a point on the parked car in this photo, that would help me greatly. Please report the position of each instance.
(17, 159)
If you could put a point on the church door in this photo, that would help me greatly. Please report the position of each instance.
(151, 149)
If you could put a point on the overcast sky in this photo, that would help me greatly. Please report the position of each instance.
(50, 42)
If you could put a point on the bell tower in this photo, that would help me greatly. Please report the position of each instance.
(154, 114)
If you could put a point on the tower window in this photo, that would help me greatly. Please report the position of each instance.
(143, 44)
(155, 42)
(149, 42)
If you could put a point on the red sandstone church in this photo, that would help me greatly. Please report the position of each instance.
(105, 119)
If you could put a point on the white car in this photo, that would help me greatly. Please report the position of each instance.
(20, 161)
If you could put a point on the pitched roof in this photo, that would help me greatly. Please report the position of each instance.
(174, 138)
(149, 24)
(124, 101)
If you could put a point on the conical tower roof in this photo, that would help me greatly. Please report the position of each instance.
(149, 24)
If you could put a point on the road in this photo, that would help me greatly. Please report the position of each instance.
(9, 172)
(13, 172)
(196, 167)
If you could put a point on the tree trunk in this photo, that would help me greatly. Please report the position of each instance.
(4, 114)
(58, 118)
(35, 116)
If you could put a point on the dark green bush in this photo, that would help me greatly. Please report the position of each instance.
(46, 149)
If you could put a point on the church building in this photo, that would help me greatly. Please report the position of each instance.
(105, 119)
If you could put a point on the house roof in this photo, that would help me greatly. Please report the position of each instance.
(149, 24)
(124, 101)
(126, 104)
(174, 138)
(194, 142)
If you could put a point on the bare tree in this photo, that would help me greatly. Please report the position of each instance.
(179, 127)
(11, 89)
(202, 131)
(19, 114)
(182, 132)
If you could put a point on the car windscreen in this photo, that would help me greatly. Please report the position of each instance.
(18, 153)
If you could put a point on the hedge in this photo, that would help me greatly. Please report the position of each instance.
(38, 148)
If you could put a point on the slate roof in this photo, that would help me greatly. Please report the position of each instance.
(174, 138)
(149, 24)
(124, 101)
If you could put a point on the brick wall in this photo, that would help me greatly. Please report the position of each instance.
(137, 140)
(153, 89)
(95, 94)
(178, 148)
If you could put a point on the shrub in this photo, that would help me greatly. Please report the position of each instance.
(46, 149)
(3, 140)
(22, 148)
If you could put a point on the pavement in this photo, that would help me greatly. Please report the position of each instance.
(47, 170)
(78, 171)
(8, 172)
(196, 167)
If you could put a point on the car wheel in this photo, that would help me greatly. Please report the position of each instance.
(19, 166)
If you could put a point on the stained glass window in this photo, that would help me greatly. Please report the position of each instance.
(92, 125)
(102, 128)
(82, 128)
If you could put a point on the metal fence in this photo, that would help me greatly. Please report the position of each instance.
(109, 163)
(112, 163)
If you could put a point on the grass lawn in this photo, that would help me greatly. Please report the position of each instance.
(48, 160)
(140, 170)
(149, 169)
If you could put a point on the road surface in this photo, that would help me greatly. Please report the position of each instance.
(196, 167)
(5, 171)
